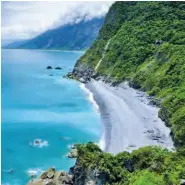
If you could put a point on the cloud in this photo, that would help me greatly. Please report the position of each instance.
(23, 20)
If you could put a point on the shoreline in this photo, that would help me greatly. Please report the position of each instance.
(96, 107)
(128, 118)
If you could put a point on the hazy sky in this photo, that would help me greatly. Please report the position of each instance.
(22, 20)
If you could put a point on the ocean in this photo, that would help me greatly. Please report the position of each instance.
(39, 104)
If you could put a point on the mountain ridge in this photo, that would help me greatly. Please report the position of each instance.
(76, 36)
(147, 51)
(143, 43)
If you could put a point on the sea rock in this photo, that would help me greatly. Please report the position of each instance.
(52, 177)
(58, 68)
(73, 153)
(49, 67)
(37, 141)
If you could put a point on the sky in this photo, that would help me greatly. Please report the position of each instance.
(24, 20)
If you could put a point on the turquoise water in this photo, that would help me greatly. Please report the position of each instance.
(36, 105)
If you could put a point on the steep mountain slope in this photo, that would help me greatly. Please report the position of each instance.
(14, 44)
(144, 43)
(146, 46)
(76, 36)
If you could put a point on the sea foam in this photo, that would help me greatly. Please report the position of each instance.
(90, 97)
(39, 143)
(34, 171)
(101, 143)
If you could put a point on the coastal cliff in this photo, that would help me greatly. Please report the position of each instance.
(146, 166)
(143, 43)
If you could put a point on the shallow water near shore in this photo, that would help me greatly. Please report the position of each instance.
(36, 105)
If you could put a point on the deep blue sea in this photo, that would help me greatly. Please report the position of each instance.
(36, 105)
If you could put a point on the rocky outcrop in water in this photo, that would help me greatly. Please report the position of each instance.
(49, 67)
(52, 177)
(58, 68)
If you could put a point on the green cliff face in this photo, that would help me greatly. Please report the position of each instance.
(144, 43)
(145, 166)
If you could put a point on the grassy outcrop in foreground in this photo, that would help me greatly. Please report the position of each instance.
(147, 48)
(145, 166)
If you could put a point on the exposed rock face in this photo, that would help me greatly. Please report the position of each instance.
(86, 176)
(83, 73)
(78, 175)
(163, 115)
(52, 177)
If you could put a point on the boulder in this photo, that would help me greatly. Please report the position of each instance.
(49, 67)
(73, 153)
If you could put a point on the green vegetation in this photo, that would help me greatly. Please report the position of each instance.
(147, 48)
(145, 166)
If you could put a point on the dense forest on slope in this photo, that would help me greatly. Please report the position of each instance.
(147, 48)
(76, 36)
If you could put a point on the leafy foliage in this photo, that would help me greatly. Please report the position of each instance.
(147, 48)
(145, 166)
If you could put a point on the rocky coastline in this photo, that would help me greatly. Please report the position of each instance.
(79, 174)
(84, 74)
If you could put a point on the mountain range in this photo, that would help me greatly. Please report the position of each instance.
(76, 36)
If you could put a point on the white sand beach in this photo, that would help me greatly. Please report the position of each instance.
(129, 120)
